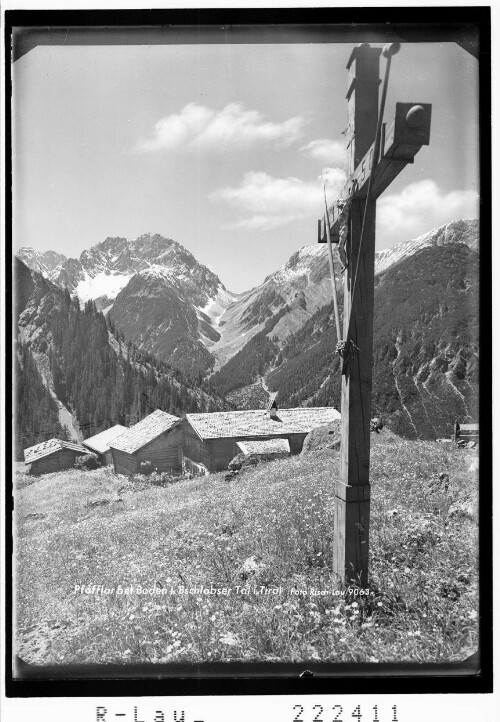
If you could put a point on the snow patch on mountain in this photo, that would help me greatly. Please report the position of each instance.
(102, 284)
(299, 264)
(156, 271)
(218, 304)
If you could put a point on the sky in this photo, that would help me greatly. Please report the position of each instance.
(221, 147)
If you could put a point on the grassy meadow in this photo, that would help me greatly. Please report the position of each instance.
(77, 529)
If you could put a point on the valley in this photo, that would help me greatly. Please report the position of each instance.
(278, 337)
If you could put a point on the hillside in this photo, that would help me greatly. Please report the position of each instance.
(301, 284)
(269, 531)
(427, 334)
(154, 316)
(37, 413)
(425, 372)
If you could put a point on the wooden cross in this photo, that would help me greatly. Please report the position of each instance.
(408, 132)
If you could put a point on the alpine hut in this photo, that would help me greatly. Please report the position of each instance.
(211, 440)
(99, 444)
(52, 455)
(157, 439)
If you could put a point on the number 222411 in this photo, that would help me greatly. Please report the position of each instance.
(337, 714)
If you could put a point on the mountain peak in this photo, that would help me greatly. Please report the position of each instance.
(460, 231)
(44, 262)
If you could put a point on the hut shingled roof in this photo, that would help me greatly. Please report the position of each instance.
(144, 431)
(46, 448)
(100, 442)
(241, 424)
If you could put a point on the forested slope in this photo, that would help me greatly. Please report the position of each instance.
(78, 356)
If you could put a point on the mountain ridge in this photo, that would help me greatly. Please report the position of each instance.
(120, 276)
(303, 283)
(184, 315)
(114, 261)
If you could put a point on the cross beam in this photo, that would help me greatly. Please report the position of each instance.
(408, 132)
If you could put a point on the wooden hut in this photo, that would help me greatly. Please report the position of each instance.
(99, 444)
(157, 439)
(52, 455)
(212, 439)
(464, 433)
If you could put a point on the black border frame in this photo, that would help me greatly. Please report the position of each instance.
(265, 25)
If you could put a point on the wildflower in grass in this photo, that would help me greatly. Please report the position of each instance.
(230, 639)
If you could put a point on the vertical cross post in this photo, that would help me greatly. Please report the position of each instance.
(352, 494)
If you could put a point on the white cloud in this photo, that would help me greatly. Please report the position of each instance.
(335, 179)
(326, 150)
(197, 127)
(422, 206)
(263, 202)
